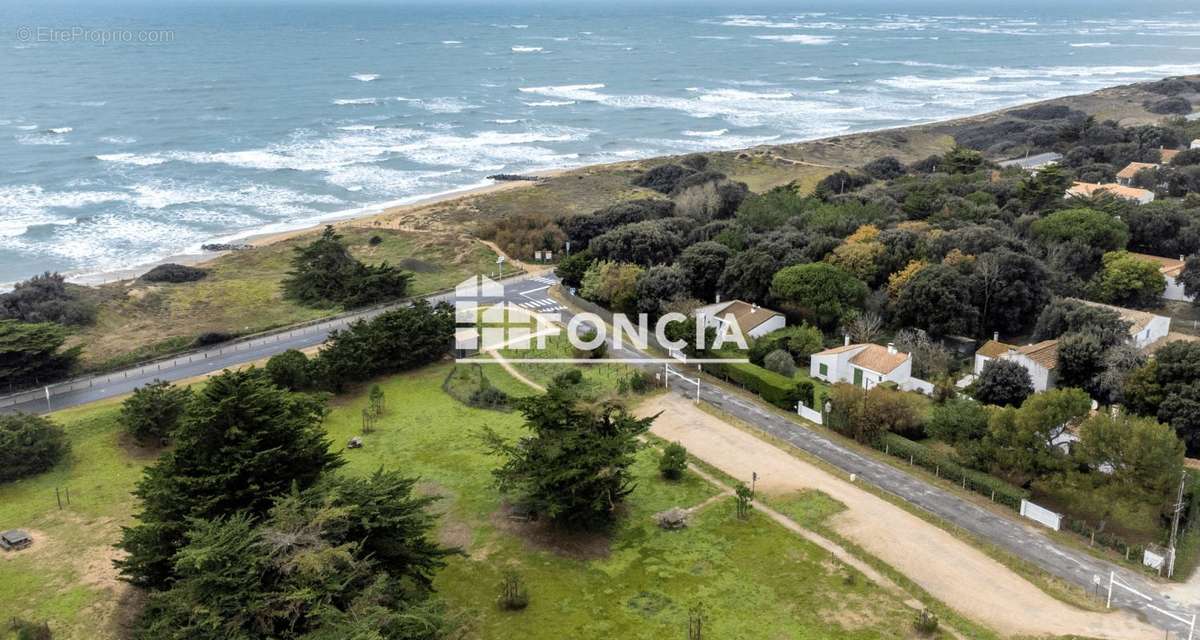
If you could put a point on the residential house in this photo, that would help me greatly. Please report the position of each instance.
(1125, 176)
(1034, 162)
(753, 321)
(1170, 269)
(1089, 189)
(1165, 156)
(1195, 144)
(1144, 327)
(1041, 359)
(863, 365)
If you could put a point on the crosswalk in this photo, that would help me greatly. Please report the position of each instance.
(544, 280)
(542, 304)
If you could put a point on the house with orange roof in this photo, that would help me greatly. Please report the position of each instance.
(1090, 189)
(1125, 176)
(1165, 156)
(864, 365)
(752, 320)
(1039, 359)
(1170, 268)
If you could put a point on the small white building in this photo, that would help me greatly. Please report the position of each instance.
(1032, 163)
(1145, 328)
(1195, 144)
(863, 365)
(1039, 359)
(1170, 269)
(753, 320)
(1090, 189)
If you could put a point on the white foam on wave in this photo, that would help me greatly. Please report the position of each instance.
(27, 127)
(1091, 44)
(118, 139)
(915, 63)
(365, 77)
(451, 42)
(549, 103)
(355, 101)
(358, 127)
(713, 37)
(798, 38)
(22, 206)
(93, 103)
(715, 133)
(42, 140)
(60, 130)
(524, 49)
(505, 120)
(759, 22)
(131, 158)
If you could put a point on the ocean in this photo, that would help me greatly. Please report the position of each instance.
(134, 131)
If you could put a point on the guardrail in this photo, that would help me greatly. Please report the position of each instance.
(245, 343)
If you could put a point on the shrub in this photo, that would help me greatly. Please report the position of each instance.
(212, 337)
(514, 596)
(290, 370)
(673, 462)
(30, 353)
(26, 630)
(778, 390)
(171, 272)
(639, 382)
(568, 378)
(1175, 105)
(154, 410)
(780, 362)
(663, 178)
(29, 445)
(885, 168)
(324, 274)
(375, 240)
(1002, 382)
(47, 298)
(488, 398)
(926, 623)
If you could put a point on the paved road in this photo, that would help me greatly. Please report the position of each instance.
(230, 355)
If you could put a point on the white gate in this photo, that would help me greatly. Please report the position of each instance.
(812, 415)
(668, 372)
(1041, 514)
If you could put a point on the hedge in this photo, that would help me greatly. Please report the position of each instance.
(977, 481)
(779, 390)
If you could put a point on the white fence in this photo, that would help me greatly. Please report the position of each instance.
(812, 415)
(1041, 515)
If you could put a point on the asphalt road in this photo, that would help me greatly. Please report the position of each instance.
(220, 357)
(531, 292)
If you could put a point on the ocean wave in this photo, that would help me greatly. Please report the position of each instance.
(799, 39)
(19, 203)
(365, 77)
(358, 127)
(915, 63)
(715, 133)
(524, 49)
(713, 37)
(355, 101)
(451, 42)
(60, 130)
(759, 22)
(42, 140)
(132, 158)
(27, 127)
(118, 139)
(550, 103)
(505, 120)
(1091, 44)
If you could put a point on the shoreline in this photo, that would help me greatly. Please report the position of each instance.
(264, 236)
(260, 238)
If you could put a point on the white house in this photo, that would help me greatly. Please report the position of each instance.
(753, 320)
(1034, 162)
(1195, 144)
(1125, 176)
(1039, 359)
(1089, 189)
(863, 365)
(1145, 328)
(1170, 268)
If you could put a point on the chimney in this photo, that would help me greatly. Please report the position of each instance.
(892, 348)
(996, 336)
(718, 298)
(847, 340)
(753, 307)
(1182, 258)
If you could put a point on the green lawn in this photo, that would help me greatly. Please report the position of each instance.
(756, 579)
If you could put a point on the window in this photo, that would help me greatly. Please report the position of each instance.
(824, 369)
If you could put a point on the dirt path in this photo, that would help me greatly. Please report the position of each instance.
(949, 569)
(512, 371)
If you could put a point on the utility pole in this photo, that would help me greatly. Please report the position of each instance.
(1175, 522)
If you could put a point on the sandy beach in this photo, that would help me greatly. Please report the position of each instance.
(365, 215)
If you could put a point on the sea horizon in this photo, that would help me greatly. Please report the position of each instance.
(183, 130)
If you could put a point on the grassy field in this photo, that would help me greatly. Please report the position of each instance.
(242, 293)
(755, 578)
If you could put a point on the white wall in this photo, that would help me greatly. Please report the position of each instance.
(776, 322)
(1174, 291)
